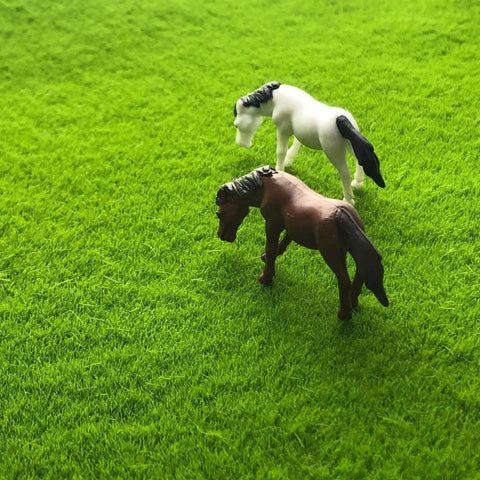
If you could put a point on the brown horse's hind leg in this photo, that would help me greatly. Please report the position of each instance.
(356, 289)
(336, 258)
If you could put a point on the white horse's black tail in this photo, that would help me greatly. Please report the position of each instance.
(362, 148)
(366, 256)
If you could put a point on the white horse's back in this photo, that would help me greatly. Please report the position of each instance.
(313, 123)
(295, 99)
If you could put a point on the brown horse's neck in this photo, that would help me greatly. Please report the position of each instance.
(255, 198)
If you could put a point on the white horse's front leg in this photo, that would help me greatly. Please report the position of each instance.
(282, 146)
(357, 182)
(292, 152)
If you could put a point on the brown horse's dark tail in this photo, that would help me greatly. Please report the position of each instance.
(366, 256)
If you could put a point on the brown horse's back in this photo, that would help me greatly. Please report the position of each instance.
(306, 215)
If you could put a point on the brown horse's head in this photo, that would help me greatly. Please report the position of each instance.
(231, 215)
(234, 199)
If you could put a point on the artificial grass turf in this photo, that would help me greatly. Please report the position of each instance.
(134, 344)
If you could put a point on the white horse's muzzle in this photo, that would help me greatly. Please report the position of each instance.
(244, 140)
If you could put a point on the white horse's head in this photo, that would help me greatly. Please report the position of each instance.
(249, 112)
(247, 121)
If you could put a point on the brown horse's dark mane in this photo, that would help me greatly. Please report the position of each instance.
(243, 186)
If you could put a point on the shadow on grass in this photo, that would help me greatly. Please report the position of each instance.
(304, 292)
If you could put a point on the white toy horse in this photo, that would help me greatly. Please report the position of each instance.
(314, 125)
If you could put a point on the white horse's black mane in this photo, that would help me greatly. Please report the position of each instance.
(260, 95)
(242, 186)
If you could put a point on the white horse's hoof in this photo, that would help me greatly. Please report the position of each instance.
(357, 185)
(351, 201)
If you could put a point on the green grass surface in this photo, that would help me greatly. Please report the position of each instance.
(135, 344)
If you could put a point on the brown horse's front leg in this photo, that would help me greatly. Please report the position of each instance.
(284, 243)
(335, 257)
(271, 252)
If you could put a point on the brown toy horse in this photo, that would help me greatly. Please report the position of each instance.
(331, 226)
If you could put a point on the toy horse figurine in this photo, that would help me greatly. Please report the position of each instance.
(313, 124)
(331, 226)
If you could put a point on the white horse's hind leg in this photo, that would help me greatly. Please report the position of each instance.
(282, 146)
(347, 187)
(357, 182)
(292, 152)
(339, 159)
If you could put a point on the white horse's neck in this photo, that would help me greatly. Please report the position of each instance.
(266, 109)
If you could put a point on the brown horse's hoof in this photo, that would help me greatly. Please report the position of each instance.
(264, 280)
(344, 315)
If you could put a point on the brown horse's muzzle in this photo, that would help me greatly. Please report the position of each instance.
(227, 236)
(231, 217)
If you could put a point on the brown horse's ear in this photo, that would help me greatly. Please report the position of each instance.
(221, 194)
(227, 188)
